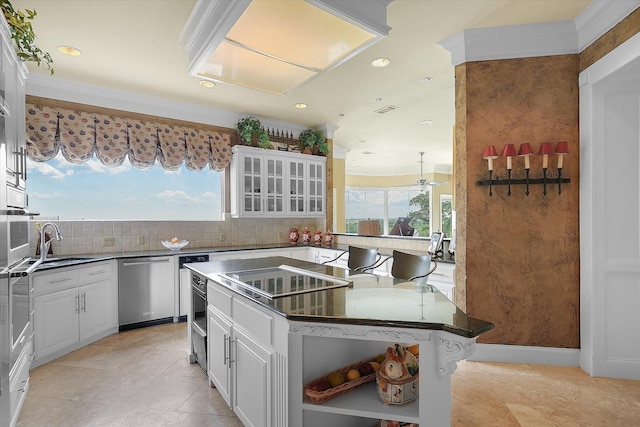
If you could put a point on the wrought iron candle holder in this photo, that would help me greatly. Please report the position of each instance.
(527, 177)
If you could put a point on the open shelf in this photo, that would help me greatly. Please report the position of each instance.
(363, 401)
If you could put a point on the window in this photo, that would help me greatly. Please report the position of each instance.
(66, 191)
(363, 205)
(387, 206)
(446, 214)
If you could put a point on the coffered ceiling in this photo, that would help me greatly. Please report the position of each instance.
(384, 117)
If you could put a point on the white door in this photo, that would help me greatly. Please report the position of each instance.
(56, 321)
(97, 308)
(218, 352)
(252, 386)
(274, 183)
(610, 214)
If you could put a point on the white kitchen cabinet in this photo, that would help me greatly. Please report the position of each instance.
(306, 185)
(443, 278)
(56, 321)
(271, 183)
(72, 307)
(12, 107)
(242, 350)
(218, 337)
(251, 378)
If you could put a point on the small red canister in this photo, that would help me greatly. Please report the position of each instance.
(306, 236)
(317, 238)
(328, 239)
(293, 235)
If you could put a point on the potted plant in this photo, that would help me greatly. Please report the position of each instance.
(313, 139)
(250, 128)
(22, 34)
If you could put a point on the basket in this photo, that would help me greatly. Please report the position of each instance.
(394, 392)
(323, 396)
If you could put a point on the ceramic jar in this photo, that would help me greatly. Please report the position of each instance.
(317, 238)
(306, 236)
(293, 235)
(328, 239)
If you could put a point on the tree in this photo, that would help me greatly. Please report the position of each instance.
(420, 217)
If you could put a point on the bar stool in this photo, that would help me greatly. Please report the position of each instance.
(412, 267)
(360, 259)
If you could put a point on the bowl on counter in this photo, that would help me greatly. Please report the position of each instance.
(174, 246)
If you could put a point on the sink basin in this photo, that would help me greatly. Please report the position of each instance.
(56, 262)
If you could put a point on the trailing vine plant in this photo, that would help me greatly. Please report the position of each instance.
(24, 37)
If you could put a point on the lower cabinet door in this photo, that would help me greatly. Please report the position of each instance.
(252, 393)
(218, 352)
(97, 308)
(56, 321)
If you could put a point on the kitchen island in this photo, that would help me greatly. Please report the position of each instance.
(273, 329)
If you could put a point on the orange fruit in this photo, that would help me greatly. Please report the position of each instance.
(375, 366)
(414, 349)
(335, 379)
(353, 374)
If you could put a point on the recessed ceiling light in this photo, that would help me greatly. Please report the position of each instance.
(426, 79)
(207, 83)
(380, 62)
(300, 105)
(69, 50)
(378, 100)
(426, 122)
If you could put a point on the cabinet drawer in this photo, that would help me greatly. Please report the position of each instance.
(52, 282)
(19, 382)
(95, 273)
(444, 273)
(253, 320)
(219, 298)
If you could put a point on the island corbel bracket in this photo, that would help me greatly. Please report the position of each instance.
(449, 352)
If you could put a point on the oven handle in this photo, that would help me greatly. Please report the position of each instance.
(19, 212)
(12, 270)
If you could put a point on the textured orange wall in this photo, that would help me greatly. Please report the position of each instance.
(613, 38)
(519, 254)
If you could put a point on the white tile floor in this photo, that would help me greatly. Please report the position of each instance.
(142, 378)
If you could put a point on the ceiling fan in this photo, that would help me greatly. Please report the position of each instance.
(423, 183)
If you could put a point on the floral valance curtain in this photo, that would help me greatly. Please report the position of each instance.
(81, 135)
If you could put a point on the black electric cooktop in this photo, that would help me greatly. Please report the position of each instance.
(283, 281)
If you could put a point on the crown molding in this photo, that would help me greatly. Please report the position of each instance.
(599, 17)
(206, 27)
(514, 41)
(339, 152)
(544, 39)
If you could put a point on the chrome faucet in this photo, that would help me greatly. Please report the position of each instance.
(44, 245)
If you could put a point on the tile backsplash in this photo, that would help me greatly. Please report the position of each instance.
(108, 237)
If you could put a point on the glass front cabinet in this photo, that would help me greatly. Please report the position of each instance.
(270, 183)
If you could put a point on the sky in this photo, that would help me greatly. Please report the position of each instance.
(66, 191)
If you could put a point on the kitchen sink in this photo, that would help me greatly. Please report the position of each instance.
(57, 262)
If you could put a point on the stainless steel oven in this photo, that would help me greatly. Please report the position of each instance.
(198, 318)
(16, 309)
(15, 227)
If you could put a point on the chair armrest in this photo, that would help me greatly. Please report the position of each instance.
(435, 265)
(336, 258)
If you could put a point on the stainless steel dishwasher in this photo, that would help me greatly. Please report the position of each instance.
(146, 291)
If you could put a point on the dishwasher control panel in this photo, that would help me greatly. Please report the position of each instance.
(187, 259)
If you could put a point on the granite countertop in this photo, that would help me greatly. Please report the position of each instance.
(69, 260)
(371, 300)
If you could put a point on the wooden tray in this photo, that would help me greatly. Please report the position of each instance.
(330, 393)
